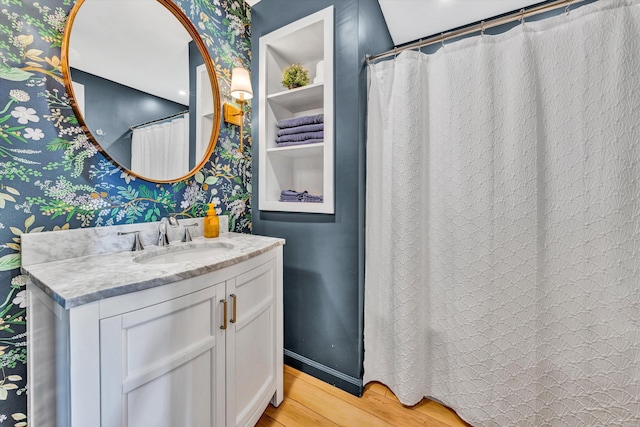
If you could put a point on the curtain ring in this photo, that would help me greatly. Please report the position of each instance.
(395, 52)
(568, 8)
(442, 39)
(482, 29)
(522, 16)
(420, 46)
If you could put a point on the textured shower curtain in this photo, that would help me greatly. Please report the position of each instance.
(503, 223)
(161, 151)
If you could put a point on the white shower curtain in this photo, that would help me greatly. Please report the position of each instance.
(503, 223)
(161, 151)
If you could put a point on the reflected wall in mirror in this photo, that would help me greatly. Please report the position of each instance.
(143, 86)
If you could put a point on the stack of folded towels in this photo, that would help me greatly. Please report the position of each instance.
(300, 130)
(294, 196)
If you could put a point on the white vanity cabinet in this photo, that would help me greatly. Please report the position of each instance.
(200, 352)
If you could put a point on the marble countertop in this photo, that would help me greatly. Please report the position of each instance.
(80, 280)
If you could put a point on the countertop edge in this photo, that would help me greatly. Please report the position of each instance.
(191, 271)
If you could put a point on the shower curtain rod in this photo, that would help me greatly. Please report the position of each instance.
(521, 15)
(159, 120)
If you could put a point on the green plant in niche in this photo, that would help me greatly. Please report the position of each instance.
(295, 76)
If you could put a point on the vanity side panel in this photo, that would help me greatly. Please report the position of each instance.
(278, 397)
(48, 363)
(63, 363)
(84, 359)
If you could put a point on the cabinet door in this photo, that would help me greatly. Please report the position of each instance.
(163, 365)
(251, 344)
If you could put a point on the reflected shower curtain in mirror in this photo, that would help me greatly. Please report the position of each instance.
(503, 223)
(161, 151)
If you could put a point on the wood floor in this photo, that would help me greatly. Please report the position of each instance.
(311, 402)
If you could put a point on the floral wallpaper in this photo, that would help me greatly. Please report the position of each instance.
(52, 177)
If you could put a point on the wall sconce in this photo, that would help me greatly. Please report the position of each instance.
(241, 92)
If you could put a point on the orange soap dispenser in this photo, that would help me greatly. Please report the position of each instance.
(211, 222)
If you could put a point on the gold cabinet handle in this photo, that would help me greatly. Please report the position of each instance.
(235, 308)
(224, 309)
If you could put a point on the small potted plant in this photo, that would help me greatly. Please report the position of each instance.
(295, 76)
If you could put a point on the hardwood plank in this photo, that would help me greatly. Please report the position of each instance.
(381, 407)
(441, 413)
(311, 402)
(431, 408)
(328, 404)
(391, 395)
(292, 413)
(266, 421)
(393, 412)
(376, 387)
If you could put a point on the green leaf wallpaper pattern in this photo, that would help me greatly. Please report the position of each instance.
(52, 177)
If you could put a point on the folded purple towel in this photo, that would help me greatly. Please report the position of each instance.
(301, 129)
(295, 196)
(301, 200)
(300, 136)
(306, 141)
(300, 121)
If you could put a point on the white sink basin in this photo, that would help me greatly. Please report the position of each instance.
(185, 253)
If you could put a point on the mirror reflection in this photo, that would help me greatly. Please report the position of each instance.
(141, 87)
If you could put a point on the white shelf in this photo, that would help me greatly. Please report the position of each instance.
(296, 151)
(303, 207)
(305, 167)
(302, 98)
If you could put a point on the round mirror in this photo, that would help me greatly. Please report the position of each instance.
(142, 85)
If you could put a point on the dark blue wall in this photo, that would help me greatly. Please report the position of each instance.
(113, 107)
(324, 254)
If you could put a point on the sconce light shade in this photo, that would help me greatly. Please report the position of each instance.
(241, 84)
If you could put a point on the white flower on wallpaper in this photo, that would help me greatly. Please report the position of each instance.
(35, 134)
(19, 95)
(25, 115)
(21, 299)
(126, 177)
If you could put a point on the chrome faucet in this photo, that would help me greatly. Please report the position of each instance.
(137, 244)
(163, 240)
(187, 235)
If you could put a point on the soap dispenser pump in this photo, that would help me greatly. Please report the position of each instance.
(211, 222)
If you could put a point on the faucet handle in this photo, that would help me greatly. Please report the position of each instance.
(173, 221)
(187, 234)
(137, 244)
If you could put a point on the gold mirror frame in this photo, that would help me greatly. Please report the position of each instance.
(186, 23)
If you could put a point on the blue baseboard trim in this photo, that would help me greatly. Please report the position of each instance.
(329, 375)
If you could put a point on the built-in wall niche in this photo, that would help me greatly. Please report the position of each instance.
(308, 166)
